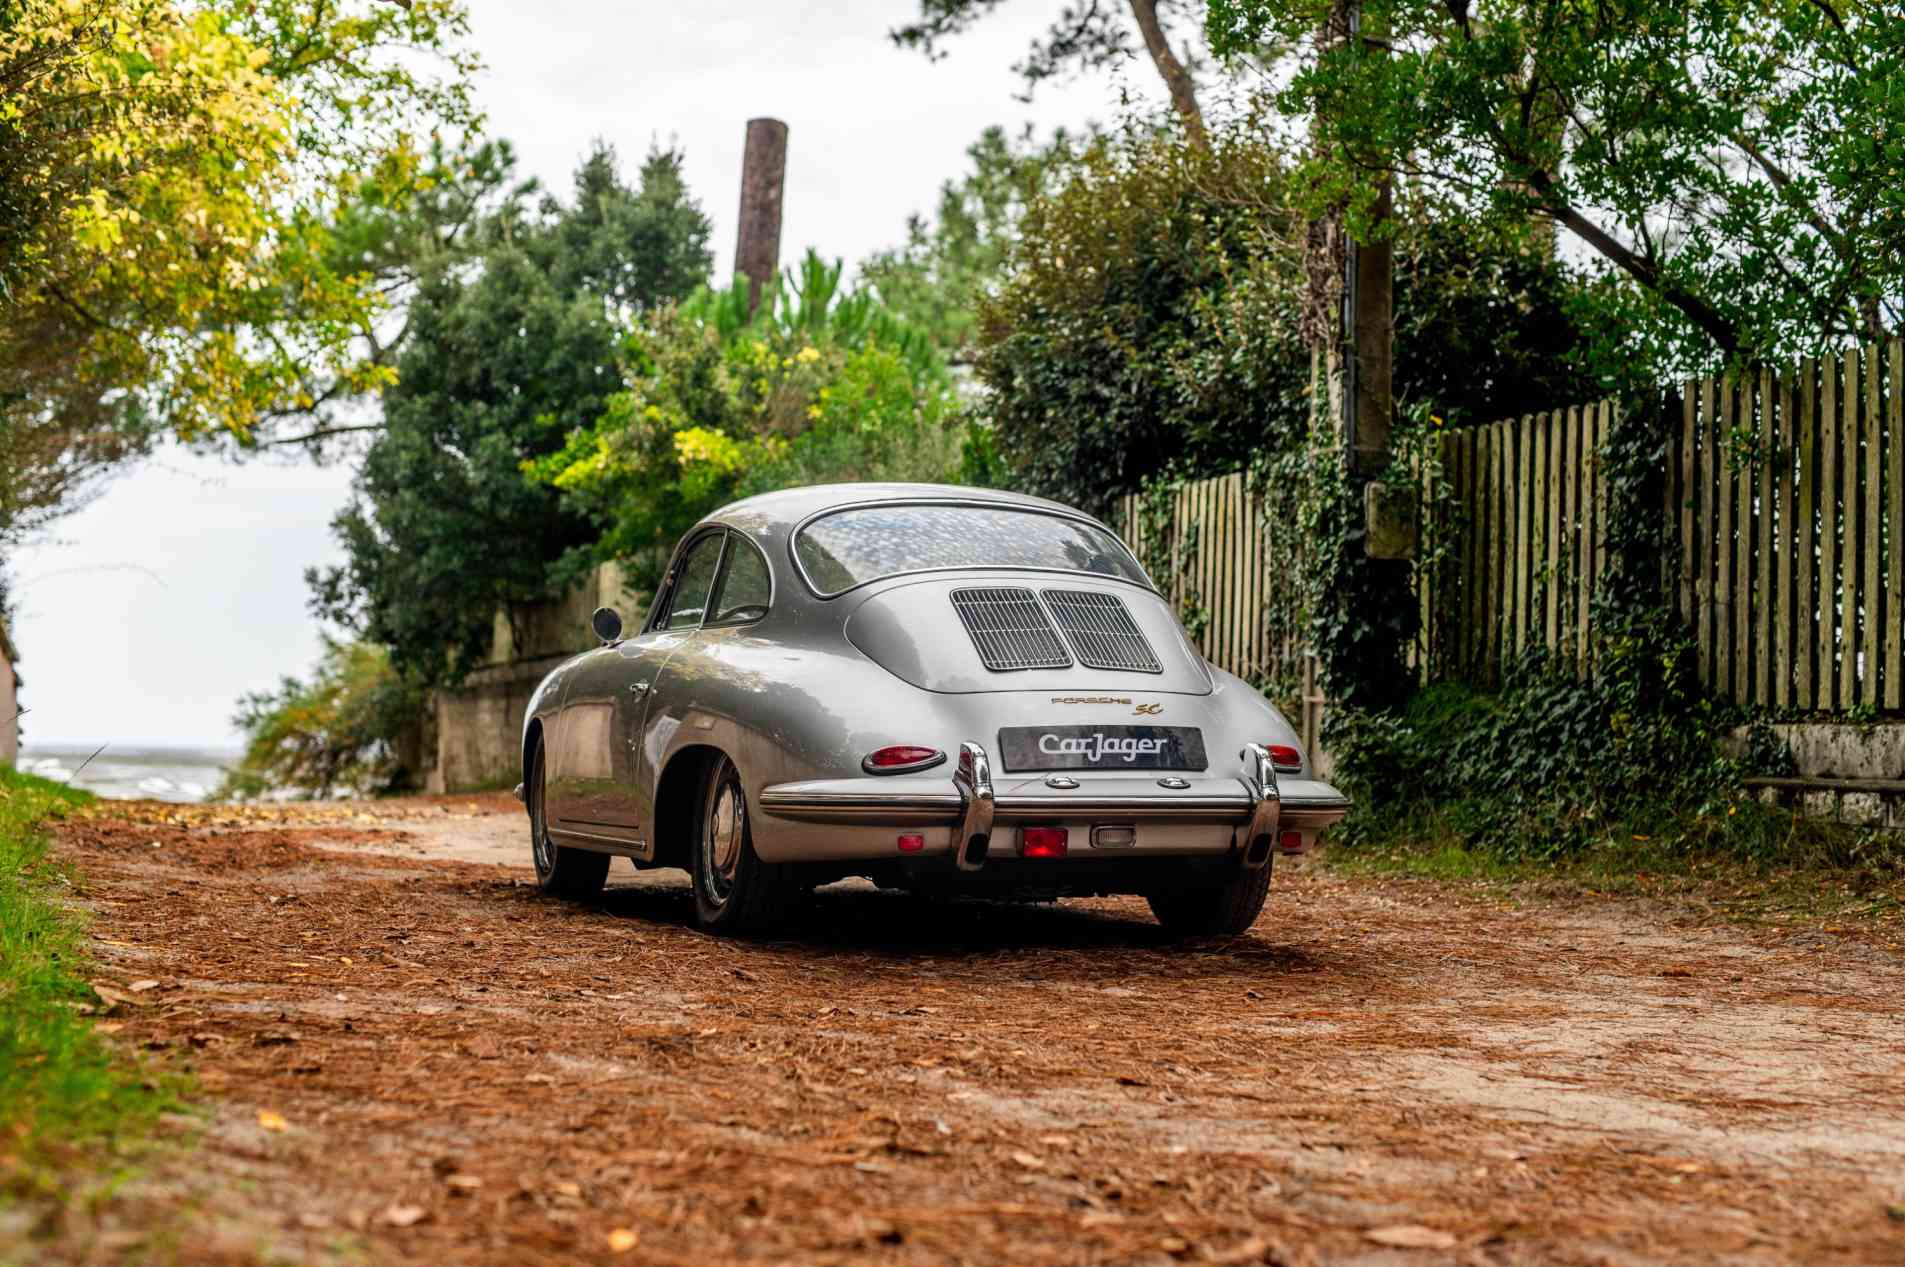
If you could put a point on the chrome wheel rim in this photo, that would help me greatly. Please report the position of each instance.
(539, 844)
(726, 827)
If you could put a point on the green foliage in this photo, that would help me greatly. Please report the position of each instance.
(819, 385)
(1555, 766)
(356, 728)
(934, 283)
(1734, 165)
(62, 1089)
(503, 360)
(1150, 326)
(168, 179)
(1362, 611)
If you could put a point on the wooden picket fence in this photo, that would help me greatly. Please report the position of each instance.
(1229, 558)
(1787, 495)
(1515, 516)
(1784, 505)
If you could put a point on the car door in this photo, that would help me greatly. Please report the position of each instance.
(595, 790)
(691, 687)
(582, 757)
(677, 619)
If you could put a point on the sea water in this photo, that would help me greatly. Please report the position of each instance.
(131, 773)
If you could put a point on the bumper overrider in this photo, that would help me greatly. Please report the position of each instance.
(1251, 814)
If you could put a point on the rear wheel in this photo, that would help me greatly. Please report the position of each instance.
(576, 874)
(735, 891)
(1221, 909)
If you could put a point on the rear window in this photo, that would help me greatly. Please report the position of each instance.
(852, 547)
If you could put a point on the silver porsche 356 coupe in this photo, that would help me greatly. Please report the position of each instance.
(942, 689)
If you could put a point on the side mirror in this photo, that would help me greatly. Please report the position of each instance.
(607, 623)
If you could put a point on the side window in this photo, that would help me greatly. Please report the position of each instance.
(744, 589)
(688, 602)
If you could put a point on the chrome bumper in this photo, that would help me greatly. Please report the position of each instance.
(1254, 804)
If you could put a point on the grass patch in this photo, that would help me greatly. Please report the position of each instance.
(65, 1094)
(1743, 860)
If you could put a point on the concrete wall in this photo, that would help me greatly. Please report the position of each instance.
(1849, 771)
(479, 724)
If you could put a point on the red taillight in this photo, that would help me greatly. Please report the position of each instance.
(912, 844)
(901, 757)
(1042, 842)
(1284, 757)
(1290, 842)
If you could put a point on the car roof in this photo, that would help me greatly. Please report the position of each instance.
(786, 507)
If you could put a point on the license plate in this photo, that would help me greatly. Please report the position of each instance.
(1102, 748)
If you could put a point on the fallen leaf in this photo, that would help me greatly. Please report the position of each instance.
(1410, 1236)
(405, 1215)
(623, 1239)
(1896, 1213)
(1676, 972)
(1249, 1251)
(541, 1079)
(112, 997)
(462, 1183)
(140, 987)
(272, 1121)
(1028, 1161)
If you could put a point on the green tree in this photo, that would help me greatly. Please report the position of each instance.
(819, 384)
(935, 281)
(1737, 166)
(1150, 323)
(504, 359)
(356, 728)
(167, 178)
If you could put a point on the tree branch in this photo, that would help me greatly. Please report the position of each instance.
(1697, 310)
(322, 433)
(1178, 80)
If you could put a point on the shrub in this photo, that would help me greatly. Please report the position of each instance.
(356, 728)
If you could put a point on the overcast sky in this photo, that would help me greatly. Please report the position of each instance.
(145, 616)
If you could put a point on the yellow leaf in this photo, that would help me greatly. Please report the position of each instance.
(272, 1121)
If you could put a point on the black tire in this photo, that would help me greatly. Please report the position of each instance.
(735, 892)
(575, 874)
(1224, 909)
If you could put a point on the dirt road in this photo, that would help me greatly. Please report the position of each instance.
(408, 1055)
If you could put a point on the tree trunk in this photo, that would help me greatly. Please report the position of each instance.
(1182, 87)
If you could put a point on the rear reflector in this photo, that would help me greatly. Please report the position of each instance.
(1284, 757)
(912, 844)
(1290, 842)
(900, 758)
(1042, 842)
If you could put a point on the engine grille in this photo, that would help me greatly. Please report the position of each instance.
(1010, 629)
(1101, 631)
